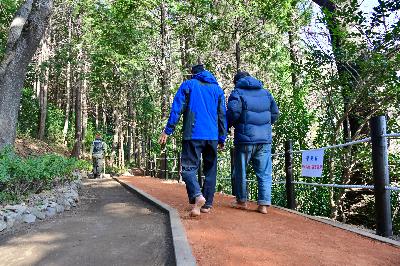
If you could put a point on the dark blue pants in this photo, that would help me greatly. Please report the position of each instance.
(191, 154)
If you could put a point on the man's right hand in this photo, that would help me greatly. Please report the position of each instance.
(163, 138)
(221, 146)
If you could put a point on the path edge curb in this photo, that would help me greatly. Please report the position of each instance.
(343, 227)
(182, 250)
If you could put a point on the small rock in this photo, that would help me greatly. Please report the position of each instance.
(9, 220)
(74, 186)
(13, 217)
(29, 218)
(50, 212)
(39, 214)
(20, 208)
(42, 207)
(84, 175)
(72, 194)
(3, 225)
(62, 190)
(66, 204)
(59, 208)
(73, 204)
(52, 204)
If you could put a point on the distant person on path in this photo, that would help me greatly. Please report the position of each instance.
(98, 151)
(251, 111)
(202, 103)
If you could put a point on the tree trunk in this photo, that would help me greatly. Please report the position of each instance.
(96, 116)
(43, 105)
(76, 152)
(121, 156)
(104, 114)
(45, 54)
(130, 127)
(164, 61)
(184, 49)
(25, 34)
(115, 143)
(68, 85)
(84, 105)
(237, 50)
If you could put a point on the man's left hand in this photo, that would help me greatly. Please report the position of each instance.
(163, 138)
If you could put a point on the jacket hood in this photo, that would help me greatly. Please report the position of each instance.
(205, 76)
(249, 83)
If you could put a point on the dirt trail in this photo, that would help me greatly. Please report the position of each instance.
(234, 237)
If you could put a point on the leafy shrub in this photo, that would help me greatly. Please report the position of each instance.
(19, 177)
(54, 124)
(28, 114)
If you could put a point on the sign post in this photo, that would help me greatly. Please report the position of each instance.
(312, 162)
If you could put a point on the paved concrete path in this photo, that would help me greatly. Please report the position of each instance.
(110, 227)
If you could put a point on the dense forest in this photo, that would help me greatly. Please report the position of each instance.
(113, 66)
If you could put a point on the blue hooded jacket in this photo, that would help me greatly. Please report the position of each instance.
(202, 102)
(251, 110)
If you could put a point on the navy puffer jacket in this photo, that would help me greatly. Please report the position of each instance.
(251, 110)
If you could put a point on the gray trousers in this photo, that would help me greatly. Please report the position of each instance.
(98, 163)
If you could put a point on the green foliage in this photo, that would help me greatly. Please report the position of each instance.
(119, 41)
(29, 117)
(54, 124)
(28, 114)
(7, 11)
(19, 176)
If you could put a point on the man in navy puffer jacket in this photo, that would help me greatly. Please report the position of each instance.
(251, 111)
(202, 102)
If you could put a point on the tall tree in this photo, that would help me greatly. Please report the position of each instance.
(25, 34)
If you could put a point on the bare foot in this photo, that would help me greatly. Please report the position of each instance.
(205, 209)
(200, 201)
(240, 205)
(262, 209)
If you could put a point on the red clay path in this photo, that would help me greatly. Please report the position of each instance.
(234, 237)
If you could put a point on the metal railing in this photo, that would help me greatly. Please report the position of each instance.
(158, 167)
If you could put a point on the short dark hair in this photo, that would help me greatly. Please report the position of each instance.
(197, 69)
(239, 75)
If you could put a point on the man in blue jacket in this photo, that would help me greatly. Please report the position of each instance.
(251, 111)
(202, 103)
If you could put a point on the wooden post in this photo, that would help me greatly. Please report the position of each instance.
(178, 155)
(380, 169)
(148, 160)
(165, 176)
(290, 197)
(154, 169)
(200, 174)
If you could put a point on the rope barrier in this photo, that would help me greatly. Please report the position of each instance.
(334, 185)
(392, 188)
(345, 186)
(338, 145)
(328, 147)
(391, 135)
(326, 185)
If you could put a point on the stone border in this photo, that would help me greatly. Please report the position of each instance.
(182, 249)
(343, 226)
(43, 205)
